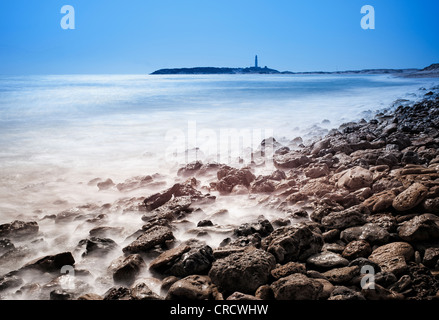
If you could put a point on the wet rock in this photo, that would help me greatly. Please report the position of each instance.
(411, 197)
(402, 284)
(431, 257)
(171, 210)
(374, 291)
(290, 160)
(320, 145)
(231, 177)
(293, 243)
(165, 260)
(357, 249)
(317, 171)
(60, 294)
(277, 175)
(355, 178)
(134, 183)
(197, 260)
(192, 287)
(380, 201)
(326, 260)
(342, 275)
(289, 268)
(351, 217)
(262, 184)
(241, 296)
(50, 263)
(6, 245)
(154, 236)
(393, 257)
(190, 169)
(104, 231)
(168, 282)
(107, 184)
(297, 287)
(19, 229)
(242, 271)
(431, 205)
(90, 297)
(385, 278)
(97, 246)
(384, 220)
(10, 281)
(371, 232)
(421, 228)
(118, 293)
(342, 293)
(205, 223)
(262, 227)
(388, 159)
(141, 291)
(69, 215)
(126, 269)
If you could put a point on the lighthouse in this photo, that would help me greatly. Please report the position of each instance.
(256, 61)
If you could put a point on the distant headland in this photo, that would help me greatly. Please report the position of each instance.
(431, 71)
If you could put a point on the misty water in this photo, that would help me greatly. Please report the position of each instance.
(61, 135)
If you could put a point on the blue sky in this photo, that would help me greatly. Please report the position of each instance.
(140, 36)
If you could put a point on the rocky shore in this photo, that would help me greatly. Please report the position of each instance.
(358, 219)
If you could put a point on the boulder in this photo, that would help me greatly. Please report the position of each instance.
(317, 171)
(19, 229)
(350, 217)
(230, 177)
(243, 271)
(150, 238)
(393, 257)
(342, 275)
(165, 260)
(290, 160)
(431, 257)
(95, 246)
(241, 296)
(289, 268)
(357, 249)
(293, 243)
(355, 178)
(326, 260)
(342, 293)
(374, 291)
(263, 227)
(141, 291)
(421, 228)
(380, 201)
(371, 232)
(197, 260)
(50, 263)
(193, 287)
(126, 269)
(411, 197)
(297, 286)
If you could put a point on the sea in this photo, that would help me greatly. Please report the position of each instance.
(59, 133)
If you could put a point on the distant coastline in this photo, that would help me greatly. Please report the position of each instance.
(430, 71)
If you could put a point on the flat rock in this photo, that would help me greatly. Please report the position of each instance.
(411, 197)
(287, 269)
(243, 271)
(342, 275)
(355, 178)
(326, 260)
(351, 217)
(192, 287)
(152, 237)
(125, 269)
(19, 229)
(50, 263)
(165, 260)
(371, 232)
(357, 249)
(421, 228)
(393, 257)
(297, 287)
(292, 243)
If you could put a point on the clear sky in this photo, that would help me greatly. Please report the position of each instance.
(140, 36)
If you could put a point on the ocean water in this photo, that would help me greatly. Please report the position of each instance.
(58, 133)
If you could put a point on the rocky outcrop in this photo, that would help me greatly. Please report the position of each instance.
(242, 271)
